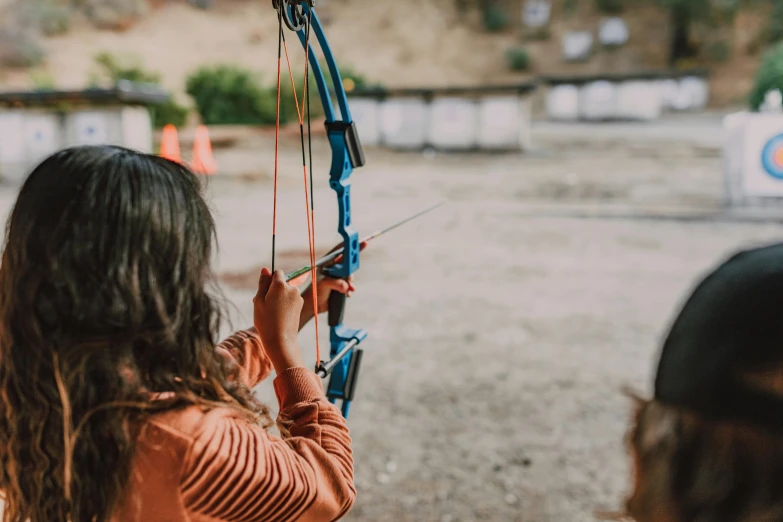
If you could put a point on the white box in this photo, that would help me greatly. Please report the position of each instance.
(453, 123)
(366, 114)
(404, 123)
(598, 101)
(562, 103)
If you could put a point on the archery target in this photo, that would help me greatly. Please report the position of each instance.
(613, 32)
(452, 123)
(504, 123)
(637, 100)
(562, 103)
(598, 101)
(762, 170)
(12, 147)
(41, 135)
(697, 91)
(404, 123)
(89, 128)
(669, 91)
(772, 157)
(536, 13)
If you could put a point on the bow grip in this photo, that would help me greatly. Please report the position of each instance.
(336, 308)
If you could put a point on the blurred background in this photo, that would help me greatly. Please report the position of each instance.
(597, 157)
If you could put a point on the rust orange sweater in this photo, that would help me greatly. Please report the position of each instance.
(216, 466)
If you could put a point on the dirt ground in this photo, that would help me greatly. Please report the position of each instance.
(502, 327)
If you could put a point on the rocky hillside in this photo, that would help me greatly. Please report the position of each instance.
(400, 42)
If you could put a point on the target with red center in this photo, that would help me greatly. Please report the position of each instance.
(772, 157)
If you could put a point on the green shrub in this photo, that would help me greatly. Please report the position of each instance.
(495, 18)
(42, 80)
(114, 69)
(230, 95)
(288, 111)
(610, 6)
(768, 77)
(353, 79)
(169, 112)
(518, 59)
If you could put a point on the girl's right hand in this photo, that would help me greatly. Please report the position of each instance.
(276, 310)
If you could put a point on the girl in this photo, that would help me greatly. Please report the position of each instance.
(116, 403)
(709, 446)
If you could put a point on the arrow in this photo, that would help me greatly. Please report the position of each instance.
(332, 256)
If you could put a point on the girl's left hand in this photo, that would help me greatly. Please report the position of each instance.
(327, 285)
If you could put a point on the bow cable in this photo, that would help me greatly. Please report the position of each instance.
(277, 134)
(309, 195)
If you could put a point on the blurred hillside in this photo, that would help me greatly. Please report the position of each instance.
(396, 43)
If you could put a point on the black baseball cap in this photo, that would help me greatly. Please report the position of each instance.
(731, 326)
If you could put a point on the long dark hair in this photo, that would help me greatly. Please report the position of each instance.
(103, 304)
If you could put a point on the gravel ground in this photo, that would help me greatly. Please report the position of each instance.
(503, 326)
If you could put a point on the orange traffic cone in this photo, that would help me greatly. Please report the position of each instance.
(169, 144)
(203, 161)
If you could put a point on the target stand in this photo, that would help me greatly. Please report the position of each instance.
(753, 159)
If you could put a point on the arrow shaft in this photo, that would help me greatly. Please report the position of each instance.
(330, 257)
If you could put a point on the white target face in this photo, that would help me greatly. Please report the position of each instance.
(90, 129)
(12, 147)
(41, 135)
(763, 156)
(536, 13)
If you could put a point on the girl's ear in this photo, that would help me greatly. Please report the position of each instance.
(635, 397)
(659, 428)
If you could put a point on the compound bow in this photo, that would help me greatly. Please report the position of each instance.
(347, 154)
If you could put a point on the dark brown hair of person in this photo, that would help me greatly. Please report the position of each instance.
(690, 469)
(104, 303)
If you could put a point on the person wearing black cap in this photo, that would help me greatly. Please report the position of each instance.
(709, 446)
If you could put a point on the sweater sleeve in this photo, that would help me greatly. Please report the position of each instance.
(237, 471)
(247, 350)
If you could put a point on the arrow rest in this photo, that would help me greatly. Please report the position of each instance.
(293, 12)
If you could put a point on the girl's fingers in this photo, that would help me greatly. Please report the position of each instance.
(338, 285)
(299, 281)
(264, 282)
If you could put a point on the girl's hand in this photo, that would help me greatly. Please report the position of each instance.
(276, 313)
(326, 285)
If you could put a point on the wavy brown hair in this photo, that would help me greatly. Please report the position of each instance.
(103, 303)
